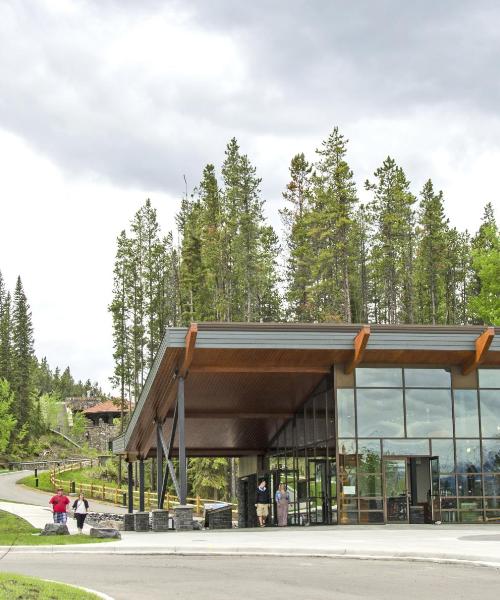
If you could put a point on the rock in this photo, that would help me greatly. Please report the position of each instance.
(197, 525)
(105, 533)
(109, 524)
(55, 529)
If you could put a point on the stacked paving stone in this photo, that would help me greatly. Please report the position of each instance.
(219, 519)
(183, 517)
(159, 520)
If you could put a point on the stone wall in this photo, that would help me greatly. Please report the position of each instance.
(99, 436)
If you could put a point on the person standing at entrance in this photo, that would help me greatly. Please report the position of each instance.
(262, 501)
(59, 503)
(282, 498)
(81, 507)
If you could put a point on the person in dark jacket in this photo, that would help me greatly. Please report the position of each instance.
(81, 508)
(262, 502)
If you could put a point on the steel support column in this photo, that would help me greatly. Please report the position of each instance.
(130, 484)
(141, 485)
(182, 442)
(159, 465)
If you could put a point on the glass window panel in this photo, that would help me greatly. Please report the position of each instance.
(331, 414)
(371, 504)
(468, 457)
(348, 518)
(369, 456)
(492, 503)
(489, 378)
(406, 447)
(345, 413)
(470, 503)
(428, 413)
(382, 377)
(320, 416)
(347, 453)
(466, 413)
(371, 517)
(427, 378)
(492, 485)
(370, 485)
(445, 451)
(449, 516)
(447, 503)
(470, 516)
(299, 428)
(490, 413)
(470, 485)
(309, 422)
(491, 455)
(448, 485)
(380, 413)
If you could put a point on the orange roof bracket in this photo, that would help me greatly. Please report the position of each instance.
(483, 342)
(190, 344)
(360, 342)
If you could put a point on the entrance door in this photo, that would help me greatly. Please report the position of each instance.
(396, 490)
(435, 491)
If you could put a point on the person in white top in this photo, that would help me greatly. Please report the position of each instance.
(81, 507)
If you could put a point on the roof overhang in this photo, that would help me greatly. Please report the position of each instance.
(243, 381)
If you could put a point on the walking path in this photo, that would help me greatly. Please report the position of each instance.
(10, 490)
(478, 544)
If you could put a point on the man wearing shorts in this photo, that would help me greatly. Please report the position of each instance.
(59, 503)
(262, 501)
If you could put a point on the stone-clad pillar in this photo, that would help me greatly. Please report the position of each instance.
(160, 520)
(183, 517)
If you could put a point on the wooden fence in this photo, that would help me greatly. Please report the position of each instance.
(118, 495)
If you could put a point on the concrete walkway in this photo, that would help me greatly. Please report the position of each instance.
(477, 544)
(10, 490)
(37, 515)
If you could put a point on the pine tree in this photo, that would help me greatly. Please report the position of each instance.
(5, 338)
(392, 217)
(22, 355)
(431, 257)
(331, 225)
(300, 253)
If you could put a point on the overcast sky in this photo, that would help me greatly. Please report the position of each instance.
(106, 103)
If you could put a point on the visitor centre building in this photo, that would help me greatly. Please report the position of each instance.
(365, 424)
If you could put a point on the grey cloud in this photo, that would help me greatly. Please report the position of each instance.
(307, 66)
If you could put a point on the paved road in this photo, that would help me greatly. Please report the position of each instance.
(9, 490)
(221, 578)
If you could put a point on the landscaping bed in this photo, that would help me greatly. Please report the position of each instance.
(20, 587)
(15, 531)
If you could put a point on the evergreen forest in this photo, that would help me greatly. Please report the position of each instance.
(393, 259)
(30, 390)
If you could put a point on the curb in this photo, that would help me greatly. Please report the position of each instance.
(479, 561)
(101, 595)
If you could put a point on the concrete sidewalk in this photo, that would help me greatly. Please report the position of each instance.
(477, 544)
(38, 516)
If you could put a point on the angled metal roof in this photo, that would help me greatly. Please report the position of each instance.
(278, 344)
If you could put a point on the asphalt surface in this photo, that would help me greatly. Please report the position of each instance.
(13, 492)
(221, 578)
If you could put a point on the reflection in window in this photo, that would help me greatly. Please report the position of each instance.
(345, 413)
(448, 487)
(299, 428)
(468, 457)
(382, 377)
(492, 486)
(370, 485)
(320, 416)
(427, 378)
(380, 413)
(428, 413)
(444, 450)
(369, 456)
(490, 413)
(491, 455)
(406, 447)
(470, 485)
(466, 414)
(489, 378)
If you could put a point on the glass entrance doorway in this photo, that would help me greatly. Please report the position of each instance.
(411, 489)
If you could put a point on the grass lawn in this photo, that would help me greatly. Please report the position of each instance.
(43, 481)
(15, 531)
(20, 587)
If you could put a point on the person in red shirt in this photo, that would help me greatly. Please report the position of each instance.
(59, 503)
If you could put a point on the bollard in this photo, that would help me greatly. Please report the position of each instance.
(36, 481)
(72, 487)
(36, 472)
(124, 498)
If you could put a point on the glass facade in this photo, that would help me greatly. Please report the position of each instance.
(399, 445)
